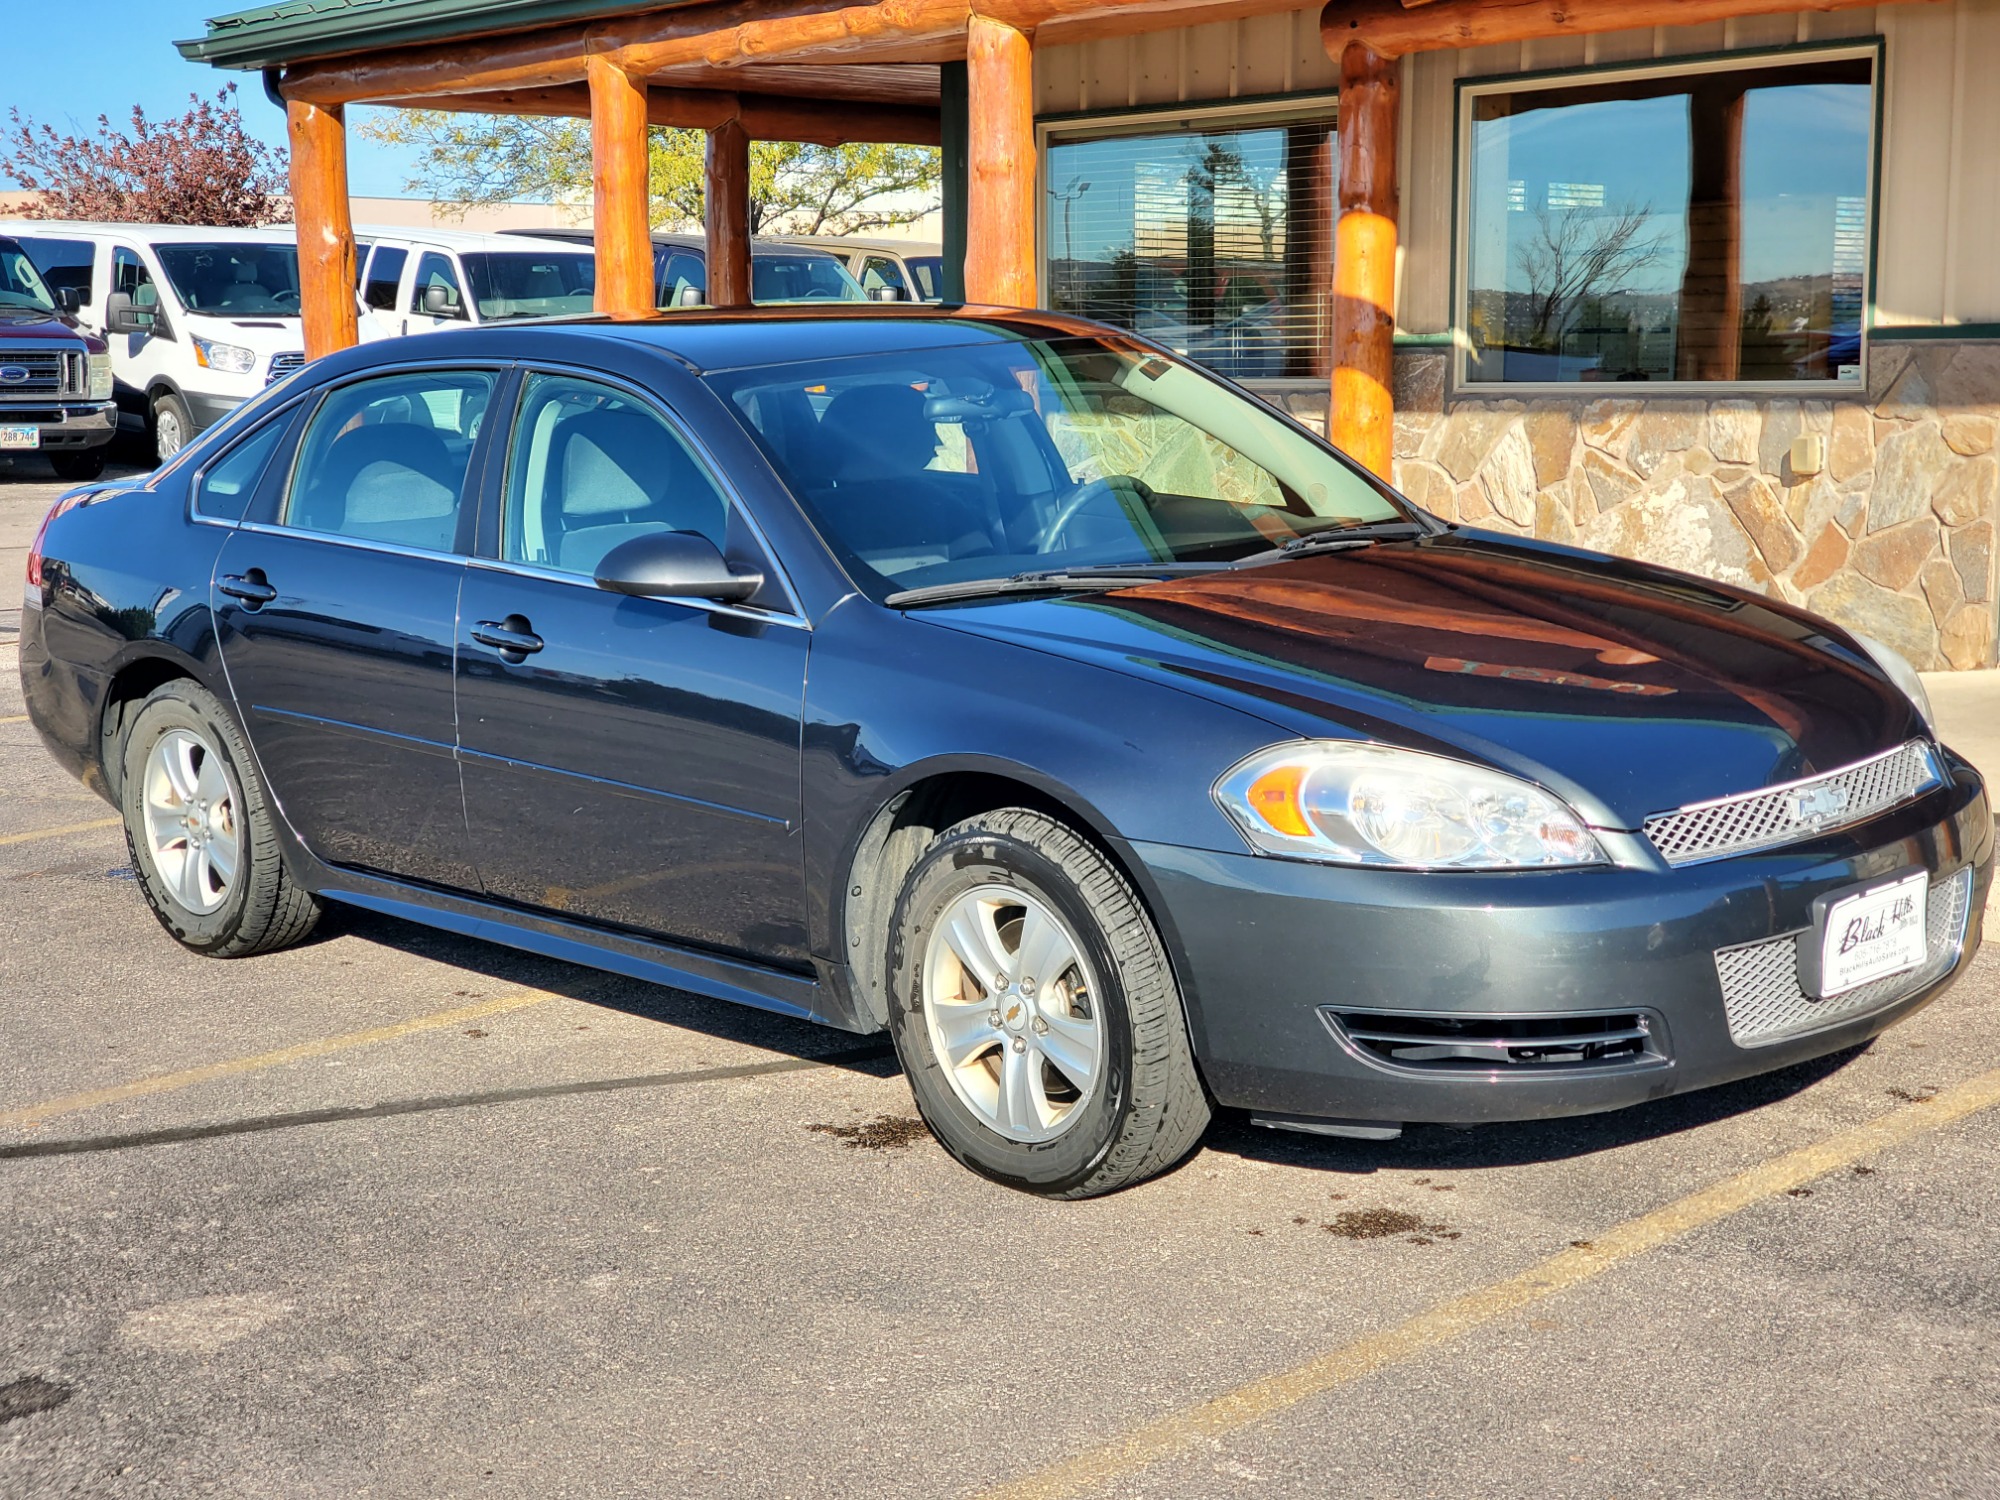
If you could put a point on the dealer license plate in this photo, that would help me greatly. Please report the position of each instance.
(1873, 935)
(20, 437)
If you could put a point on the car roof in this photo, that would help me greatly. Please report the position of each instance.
(159, 234)
(906, 248)
(759, 244)
(458, 239)
(710, 342)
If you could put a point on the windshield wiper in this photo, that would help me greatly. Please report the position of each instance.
(1052, 581)
(1342, 539)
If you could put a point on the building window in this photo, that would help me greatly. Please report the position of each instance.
(1215, 242)
(1692, 226)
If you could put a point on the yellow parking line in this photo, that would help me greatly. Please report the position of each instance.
(14, 719)
(35, 1114)
(1191, 1427)
(55, 833)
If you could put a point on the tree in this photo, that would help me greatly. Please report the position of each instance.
(201, 167)
(1576, 255)
(467, 160)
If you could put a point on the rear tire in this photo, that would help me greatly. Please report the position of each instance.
(1071, 1082)
(200, 830)
(172, 427)
(78, 465)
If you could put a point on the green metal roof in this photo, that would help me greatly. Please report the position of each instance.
(293, 30)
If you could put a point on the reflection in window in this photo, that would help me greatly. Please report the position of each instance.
(1709, 226)
(1216, 243)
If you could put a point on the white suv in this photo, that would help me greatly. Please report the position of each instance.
(415, 280)
(198, 320)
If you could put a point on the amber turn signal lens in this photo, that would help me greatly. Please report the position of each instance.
(1275, 797)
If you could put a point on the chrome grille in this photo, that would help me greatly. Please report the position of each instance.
(1760, 981)
(1776, 815)
(283, 365)
(44, 374)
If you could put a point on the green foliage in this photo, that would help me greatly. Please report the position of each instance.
(467, 160)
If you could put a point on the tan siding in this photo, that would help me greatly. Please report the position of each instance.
(1915, 188)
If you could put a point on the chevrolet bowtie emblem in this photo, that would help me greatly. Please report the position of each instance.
(1819, 803)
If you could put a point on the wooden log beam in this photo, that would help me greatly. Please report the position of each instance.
(1709, 328)
(1362, 417)
(325, 226)
(619, 181)
(821, 122)
(1000, 208)
(1395, 29)
(727, 216)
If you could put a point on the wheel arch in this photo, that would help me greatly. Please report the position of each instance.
(926, 800)
(129, 685)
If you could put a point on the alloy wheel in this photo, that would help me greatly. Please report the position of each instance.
(1010, 1006)
(168, 439)
(191, 823)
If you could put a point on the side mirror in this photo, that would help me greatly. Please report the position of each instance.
(674, 565)
(441, 301)
(885, 294)
(691, 296)
(122, 316)
(69, 299)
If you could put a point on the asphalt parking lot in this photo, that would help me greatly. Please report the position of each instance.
(395, 1214)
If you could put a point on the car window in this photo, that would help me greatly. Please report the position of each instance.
(385, 272)
(130, 276)
(684, 271)
(592, 467)
(436, 270)
(928, 272)
(232, 279)
(531, 283)
(805, 277)
(226, 485)
(880, 271)
(64, 264)
(385, 460)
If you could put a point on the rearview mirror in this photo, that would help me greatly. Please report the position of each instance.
(674, 565)
(122, 316)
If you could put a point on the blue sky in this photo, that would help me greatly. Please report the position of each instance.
(129, 59)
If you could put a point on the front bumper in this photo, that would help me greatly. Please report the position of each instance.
(1270, 951)
(208, 410)
(68, 426)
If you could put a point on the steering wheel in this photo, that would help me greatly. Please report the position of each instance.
(284, 294)
(1111, 485)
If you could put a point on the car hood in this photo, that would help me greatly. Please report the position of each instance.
(1627, 689)
(24, 323)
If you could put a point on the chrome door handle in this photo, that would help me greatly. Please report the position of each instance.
(514, 638)
(250, 587)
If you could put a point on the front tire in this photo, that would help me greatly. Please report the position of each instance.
(1036, 1014)
(200, 830)
(78, 465)
(172, 427)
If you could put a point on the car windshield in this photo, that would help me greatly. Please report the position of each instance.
(233, 281)
(928, 271)
(943, 466)
(21, 285)
(530, 283)
(802, 278)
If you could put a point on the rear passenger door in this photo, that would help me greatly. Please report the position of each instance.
(633, 762)
(336, 605)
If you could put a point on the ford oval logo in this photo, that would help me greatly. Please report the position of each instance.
(13, 374)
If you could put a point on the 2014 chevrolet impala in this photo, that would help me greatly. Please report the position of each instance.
(1001, 680)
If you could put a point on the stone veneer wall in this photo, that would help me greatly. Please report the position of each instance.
(1894, 536)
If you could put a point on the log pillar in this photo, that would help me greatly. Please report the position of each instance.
(326, 226)
(619, 180)
(1000, 199)
(1361, 421)
(1709, 344)
(728, 215)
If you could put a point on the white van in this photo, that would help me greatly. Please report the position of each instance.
(199, 320)
(415, 280)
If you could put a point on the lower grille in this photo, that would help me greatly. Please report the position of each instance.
(1760, 981)
(1459, 1043)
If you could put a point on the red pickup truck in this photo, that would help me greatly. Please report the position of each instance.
(55, 379)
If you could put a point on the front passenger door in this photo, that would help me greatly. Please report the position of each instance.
(634, 762)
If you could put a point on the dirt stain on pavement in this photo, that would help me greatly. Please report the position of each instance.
(1386, 1223)
(883, 1133)
(30, 1395)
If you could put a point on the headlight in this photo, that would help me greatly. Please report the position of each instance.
(1365, 804)
(233, 359)
(1899, 671)
(100, 377)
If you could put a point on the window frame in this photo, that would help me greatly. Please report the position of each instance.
(472, 498)
(1467, 90)
(1248, 113)
(484, 551)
